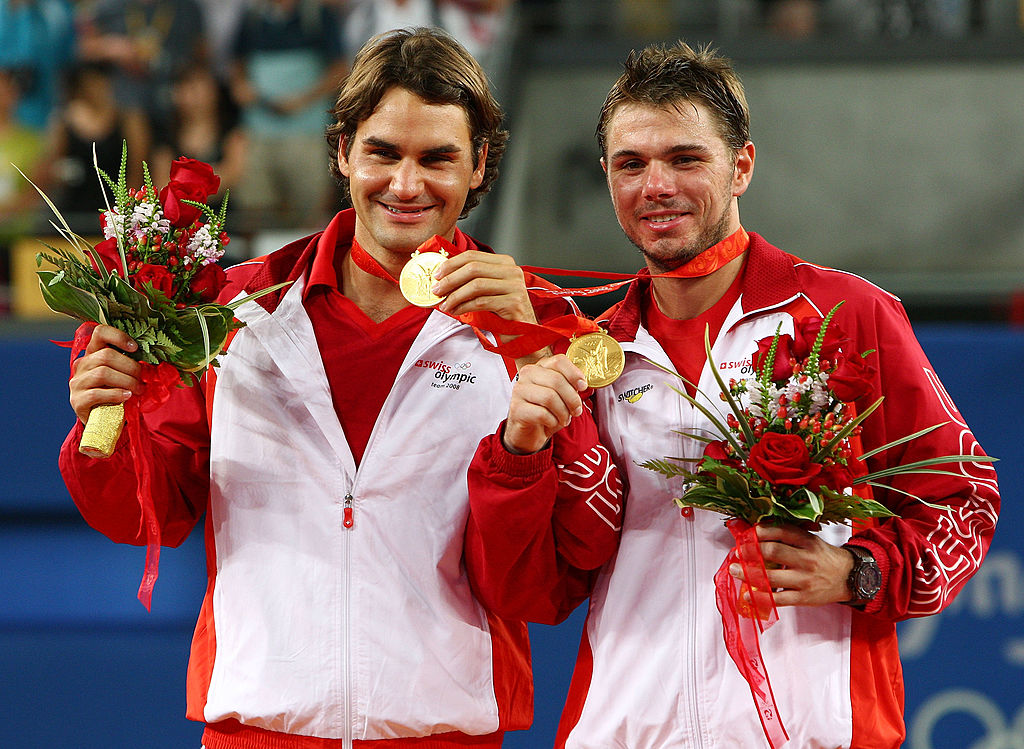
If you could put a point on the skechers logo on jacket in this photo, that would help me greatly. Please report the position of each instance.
(448, 375)
(635, 394)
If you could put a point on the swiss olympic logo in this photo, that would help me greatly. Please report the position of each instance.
(448, 376)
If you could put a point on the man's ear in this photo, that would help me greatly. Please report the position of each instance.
(342, 157)
(743, 170)
(481, 167)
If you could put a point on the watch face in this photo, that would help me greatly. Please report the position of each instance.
(869, 580)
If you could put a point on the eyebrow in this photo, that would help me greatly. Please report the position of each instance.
(679, 148)
(375, 142)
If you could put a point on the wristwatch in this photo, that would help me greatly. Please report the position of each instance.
(865, 578)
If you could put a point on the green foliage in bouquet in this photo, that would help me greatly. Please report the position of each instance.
(784, 451)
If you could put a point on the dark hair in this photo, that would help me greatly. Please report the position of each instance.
(435, 67)
(663, 77)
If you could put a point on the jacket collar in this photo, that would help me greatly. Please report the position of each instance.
(769, 280)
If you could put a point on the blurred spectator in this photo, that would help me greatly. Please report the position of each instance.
(91, 119)
(24, 147)
(791, 19)
(36, 40)
(483, 27)
(221, 21)
(205, 126)
(367, 18)
(149, 42)
(287, 63)
(480, 25)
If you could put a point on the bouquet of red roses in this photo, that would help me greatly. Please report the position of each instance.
(788, 451)
(155, 276)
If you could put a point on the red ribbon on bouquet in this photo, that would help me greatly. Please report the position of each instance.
(748, 609)
(158, 381)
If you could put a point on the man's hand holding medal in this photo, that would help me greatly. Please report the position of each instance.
(488, 291)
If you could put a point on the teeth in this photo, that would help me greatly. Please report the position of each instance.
(663, 219)
(397, 210)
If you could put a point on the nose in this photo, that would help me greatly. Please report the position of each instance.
(406, 180)
(658, 181)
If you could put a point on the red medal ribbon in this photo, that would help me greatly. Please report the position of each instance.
(368, 263)
(748, 609)
(158, 381)
(530, 336)
(706, 263)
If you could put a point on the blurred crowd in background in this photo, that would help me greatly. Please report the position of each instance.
(245, 85)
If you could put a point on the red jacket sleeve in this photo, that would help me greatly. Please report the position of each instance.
(541, 525)
(926, 554)
(105, 490)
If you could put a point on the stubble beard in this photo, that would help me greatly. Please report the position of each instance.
(710, 236)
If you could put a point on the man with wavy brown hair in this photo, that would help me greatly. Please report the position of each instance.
(412, 61)
(331, 465)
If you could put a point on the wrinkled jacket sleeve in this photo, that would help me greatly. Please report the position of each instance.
(105, 490)
(927, 554)
(541, 525)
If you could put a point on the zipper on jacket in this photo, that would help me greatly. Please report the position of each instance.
(347, 519)
(692, 656)
(685, 415)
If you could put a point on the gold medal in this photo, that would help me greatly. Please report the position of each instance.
(599, 357)
(418, 276)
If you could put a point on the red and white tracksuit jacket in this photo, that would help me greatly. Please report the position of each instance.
(653, 671)
(337, 603)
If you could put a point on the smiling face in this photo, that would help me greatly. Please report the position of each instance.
(410, 166)
(674, 181)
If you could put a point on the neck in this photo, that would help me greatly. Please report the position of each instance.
(686, 298)
(378, 298)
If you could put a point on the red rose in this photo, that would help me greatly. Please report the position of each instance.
(851, 379)
(805, 332)
(208, 282)
(783, 459)
(190, 180)
(156, 276)
(839, 477)
(783, 355)
(716, 451)
(798, 346)
(109, 255)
